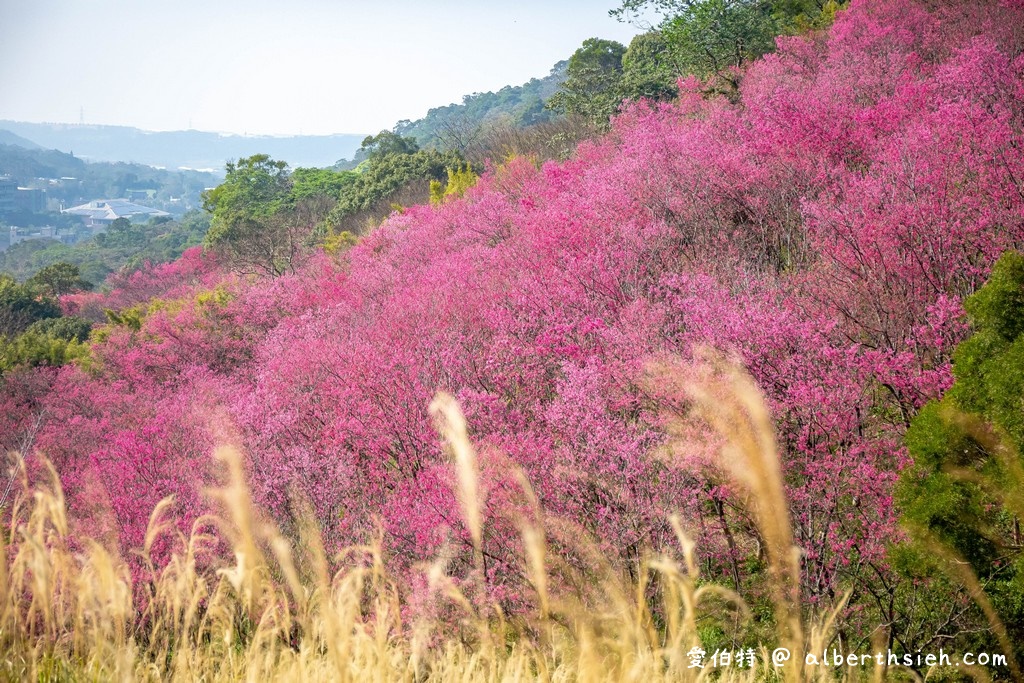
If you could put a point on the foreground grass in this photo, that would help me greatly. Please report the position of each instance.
(70, 610)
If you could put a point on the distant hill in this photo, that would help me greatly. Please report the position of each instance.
(9, 138)
(23, 163)
(522, 104)
(178, 149)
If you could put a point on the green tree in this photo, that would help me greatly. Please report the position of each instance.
(22, 305)
(965, 490)
(460, 179)
(709, 37)
(532, 112)
(386, 142)
(253, 187)
(314, 193)
(51, 341)
(248, 228)
(123, 234)
(371, 196)
(60, 278)
(317, 182)
(649, 68)
(592, 88)
(68, 328)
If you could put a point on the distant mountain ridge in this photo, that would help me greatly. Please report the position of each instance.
(176, 149)
(9, 138)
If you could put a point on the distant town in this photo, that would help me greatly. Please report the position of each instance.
(68, 183)
(41, 209)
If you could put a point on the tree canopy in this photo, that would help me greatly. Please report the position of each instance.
(59, 279)
(23, 304)
(591, 88)
(263, 216)
(386, 142)
(965, 489)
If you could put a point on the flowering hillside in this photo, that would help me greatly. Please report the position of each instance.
(822, 228)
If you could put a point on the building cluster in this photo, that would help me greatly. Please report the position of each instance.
(96, 216)
(15, 199)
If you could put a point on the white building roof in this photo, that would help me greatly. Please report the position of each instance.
(112, 209)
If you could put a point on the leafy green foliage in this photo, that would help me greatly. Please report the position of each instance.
(602, 74)
(649, 68)
(371, 196)
(376, 146)
(386, 142)
(51, 341)
(459, 127)
(711, 37)
(131, 318)
(253, 226)
(253, 188)
(989, 367)
(60, 278)
(697, 37)
(964, 489)
(591, 87)
(21, 305)
(459, 180)
(308, 183)
(68, 328)
(31, 329)
(265, 219)
(336, 243)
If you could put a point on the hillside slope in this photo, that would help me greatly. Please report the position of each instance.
(822, 230)
(9, 138)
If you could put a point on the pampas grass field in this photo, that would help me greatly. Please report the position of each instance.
(69, 609)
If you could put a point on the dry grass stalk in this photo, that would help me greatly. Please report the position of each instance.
(277, 613)
(727, 399)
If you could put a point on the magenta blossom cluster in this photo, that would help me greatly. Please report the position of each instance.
(821, 227)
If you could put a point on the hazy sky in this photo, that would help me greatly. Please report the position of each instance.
(277, 66)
